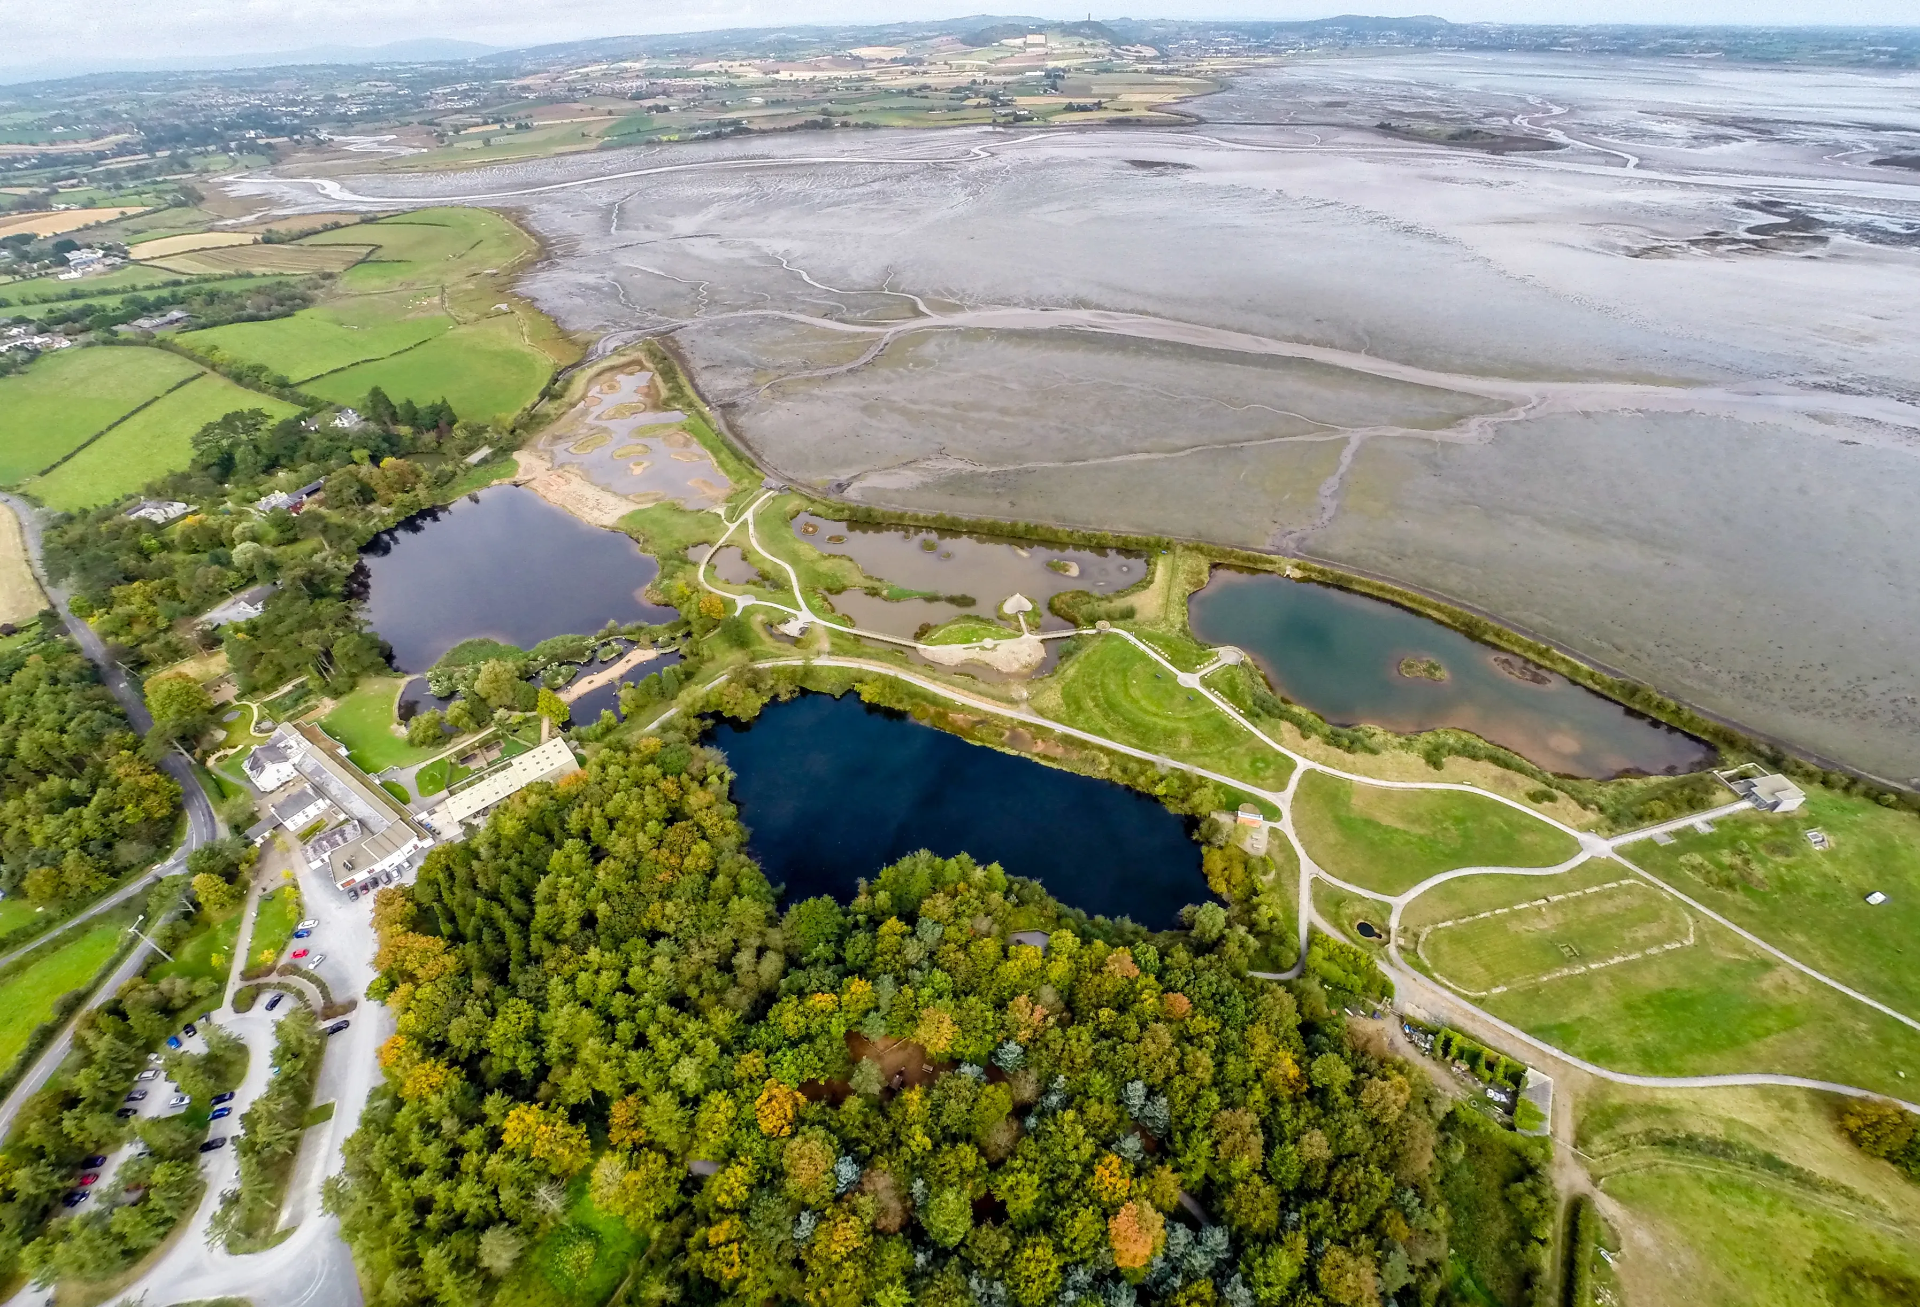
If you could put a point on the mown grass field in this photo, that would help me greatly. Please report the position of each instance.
(151, 443)
(483, 369)
(29, 996)
(288, 259)
(15, 913)
(1719, 1006)
(1113, 689)
(1391, 840)
(363, 722)
(273, 925)
(205, 954)
(1759, 870)
(65, 397)
(1471, 894)
(330, 337)
(1530, 940)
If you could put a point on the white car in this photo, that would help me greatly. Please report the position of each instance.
(151, 1073)
(178, 1100)
(316, 960)
(308, 924)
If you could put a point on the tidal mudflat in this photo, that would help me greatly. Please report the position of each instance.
(1593, 389)
(502, 563)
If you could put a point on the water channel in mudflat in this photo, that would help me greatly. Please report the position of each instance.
(942, 564)
(1342, 655)
(502, 563)
(833, 790)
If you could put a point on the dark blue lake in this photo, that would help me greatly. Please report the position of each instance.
(502, 563)
(833, 790)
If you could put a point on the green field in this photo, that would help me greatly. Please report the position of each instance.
(1760, 871)
(29, 996)
(363, 721)
(1390, 840)
(206, 953)
(436, 776)
(1113, 689)
(1530, 941)
(62, 399)
(426, 248)
(153, 442)
(482, 369)
(1719, 1006)
(273, 925)
(109, 285)
(1472, 894)
(332, 336)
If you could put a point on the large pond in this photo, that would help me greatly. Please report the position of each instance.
(502, 563)
(833, 790)
(1353, 659)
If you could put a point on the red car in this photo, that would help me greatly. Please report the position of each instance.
(89, 1178)
(299, 953)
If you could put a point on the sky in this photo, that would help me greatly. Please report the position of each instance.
(102, 31)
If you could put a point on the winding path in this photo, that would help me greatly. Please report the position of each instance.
(1591, 846)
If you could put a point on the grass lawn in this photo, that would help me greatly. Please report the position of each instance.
(1470, 895)
(62, 399)
(206, 953)
(363, 722)
(549, 1277)
(1527, 942)
(483, 369)
(1113, 689)
(1760, 871)
(1718, 1006)
(15, 913)
(29, 995)
(967, 630)
(1346, 910)
(332, 336)
(273, 925)
(1391, 840)
(153, 442)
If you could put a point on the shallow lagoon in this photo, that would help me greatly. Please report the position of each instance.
(502, 563)
(1340, 655)
(833, 790)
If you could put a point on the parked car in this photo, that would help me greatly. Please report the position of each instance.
(173, 1041)
(299, 953)
(223, 1098)
(220, 1112)
(308, 924)
(212, 1144)
(75, 1198)
(91, 1177)
(125, 1112)
(178, 1100)
(316, 960)
(153, 1057)
(353, 894)
(337, 1027)
(191, 1030)
(137, 1096)
(275, 1001)
(302, 934)
(151, 1073)
(98, 1159)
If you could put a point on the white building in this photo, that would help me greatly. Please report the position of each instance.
(242, 607)
(270, 766)
(159, 511)
(300, 809)
(1774, 794)
(548, 762)
(378, 835)
(346, 419)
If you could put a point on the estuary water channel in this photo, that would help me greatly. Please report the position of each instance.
(833, 790)
(1341, 655)
(502, 563)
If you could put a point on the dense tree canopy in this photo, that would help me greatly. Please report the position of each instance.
(78, 804)
(602, 1013)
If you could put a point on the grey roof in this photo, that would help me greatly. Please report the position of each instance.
(265, 756)
(296, 803)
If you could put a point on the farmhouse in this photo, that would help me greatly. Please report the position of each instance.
(158, 511)
(243, 607)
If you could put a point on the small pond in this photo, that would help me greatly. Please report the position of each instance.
(943, 563)
(587, 707)
(833, 790)
(502, 563)
(1353, 659)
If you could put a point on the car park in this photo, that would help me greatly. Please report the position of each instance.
(226, 1097)
(220, 1113)
(212, 1144)
(275, 1001)
(337, 1027)
(74, 1199)
(178, 1100)
(299, 953)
